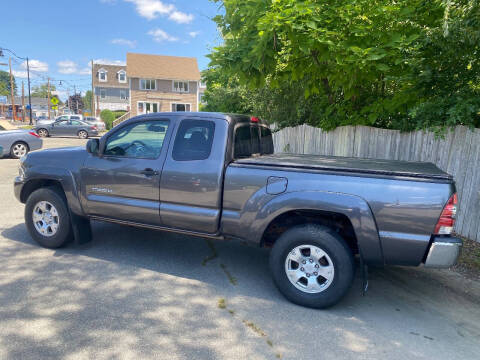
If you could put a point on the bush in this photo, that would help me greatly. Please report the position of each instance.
(107, 117)
(118, 113)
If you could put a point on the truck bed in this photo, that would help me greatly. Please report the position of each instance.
(424, 170)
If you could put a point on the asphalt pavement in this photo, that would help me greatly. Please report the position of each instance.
(140, 294)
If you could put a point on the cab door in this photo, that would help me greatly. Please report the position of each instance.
(191, 183)
(123, 181)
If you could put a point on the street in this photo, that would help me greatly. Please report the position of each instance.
(140, 294)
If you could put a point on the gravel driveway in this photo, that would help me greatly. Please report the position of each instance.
(140, 294)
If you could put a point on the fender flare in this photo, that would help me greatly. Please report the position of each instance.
(66, 179)
(355, 208)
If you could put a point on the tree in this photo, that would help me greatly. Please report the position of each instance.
(5, 83)
(42, 90)
(75, 103)
(357, 61)
(108, 118)
(87, 100)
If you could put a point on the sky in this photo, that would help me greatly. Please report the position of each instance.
(61, 37)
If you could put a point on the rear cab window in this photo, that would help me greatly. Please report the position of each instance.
(252, 139)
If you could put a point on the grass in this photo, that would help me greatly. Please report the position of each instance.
(230, 277)
(221, 303)
(469, 260)
(213, 253)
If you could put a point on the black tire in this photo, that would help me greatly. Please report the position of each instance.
(43, 132)
(333, 245)
(14, 154)
(63, 233)
(82, 134)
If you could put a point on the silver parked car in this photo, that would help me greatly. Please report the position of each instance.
(17, 143)
(95, 122)
(67, 128)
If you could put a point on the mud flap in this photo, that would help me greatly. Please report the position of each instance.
(82, 230)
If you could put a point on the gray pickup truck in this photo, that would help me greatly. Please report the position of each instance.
(215, 175)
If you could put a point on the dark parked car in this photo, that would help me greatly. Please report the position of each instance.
(17, 143)
(215, 175)
(67, 128)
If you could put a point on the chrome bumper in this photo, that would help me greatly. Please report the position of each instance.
(443, 252)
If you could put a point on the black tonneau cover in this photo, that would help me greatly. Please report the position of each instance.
(417, 169)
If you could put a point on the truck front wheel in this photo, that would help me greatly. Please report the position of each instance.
(312, 265)
(47, 218)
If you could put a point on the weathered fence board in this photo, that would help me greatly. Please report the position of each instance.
(458, 153)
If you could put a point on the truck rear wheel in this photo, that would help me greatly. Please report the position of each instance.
(47, 218)
(312, 266)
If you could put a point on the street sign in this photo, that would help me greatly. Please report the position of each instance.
(55, 107)
(54, 101)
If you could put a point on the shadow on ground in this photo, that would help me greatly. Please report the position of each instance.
(135, 293)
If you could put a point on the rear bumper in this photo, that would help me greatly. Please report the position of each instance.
(443, 252)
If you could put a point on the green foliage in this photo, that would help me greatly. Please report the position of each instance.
(87, 100)
(42, 90)
(5, 84)
(108, 118)
(118, 113)
(395, 64)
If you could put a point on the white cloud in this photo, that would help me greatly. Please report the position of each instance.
(21, 74)
(71, 67)
(181, 17)
(129, 43)
(159, 35)
(107, 62)
(151, 9)
(36, 66)
(67, 67)
(194, 34)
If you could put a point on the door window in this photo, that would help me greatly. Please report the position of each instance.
(62, 123)
(194, 140)
(139, 140)
(75, 123)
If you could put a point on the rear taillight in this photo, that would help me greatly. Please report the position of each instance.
(447, 218)
(93, 128)
(34, 134)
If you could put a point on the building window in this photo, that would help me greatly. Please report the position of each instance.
(144, 107)
(103, 93)
(180, 86)
(123, 94)
(180, 107)
(122, 76)
(102, 75)
(147, 84)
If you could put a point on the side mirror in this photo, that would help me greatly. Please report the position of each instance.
(93, 146)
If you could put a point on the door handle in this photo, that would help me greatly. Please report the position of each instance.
(149, 172)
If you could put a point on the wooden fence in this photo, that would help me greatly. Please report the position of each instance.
(457, 153)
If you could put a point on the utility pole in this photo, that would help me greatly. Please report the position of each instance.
(29, 96)
(14, 115)
(23, 102)
(75, 97)
(92, 100)
(48, 96)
